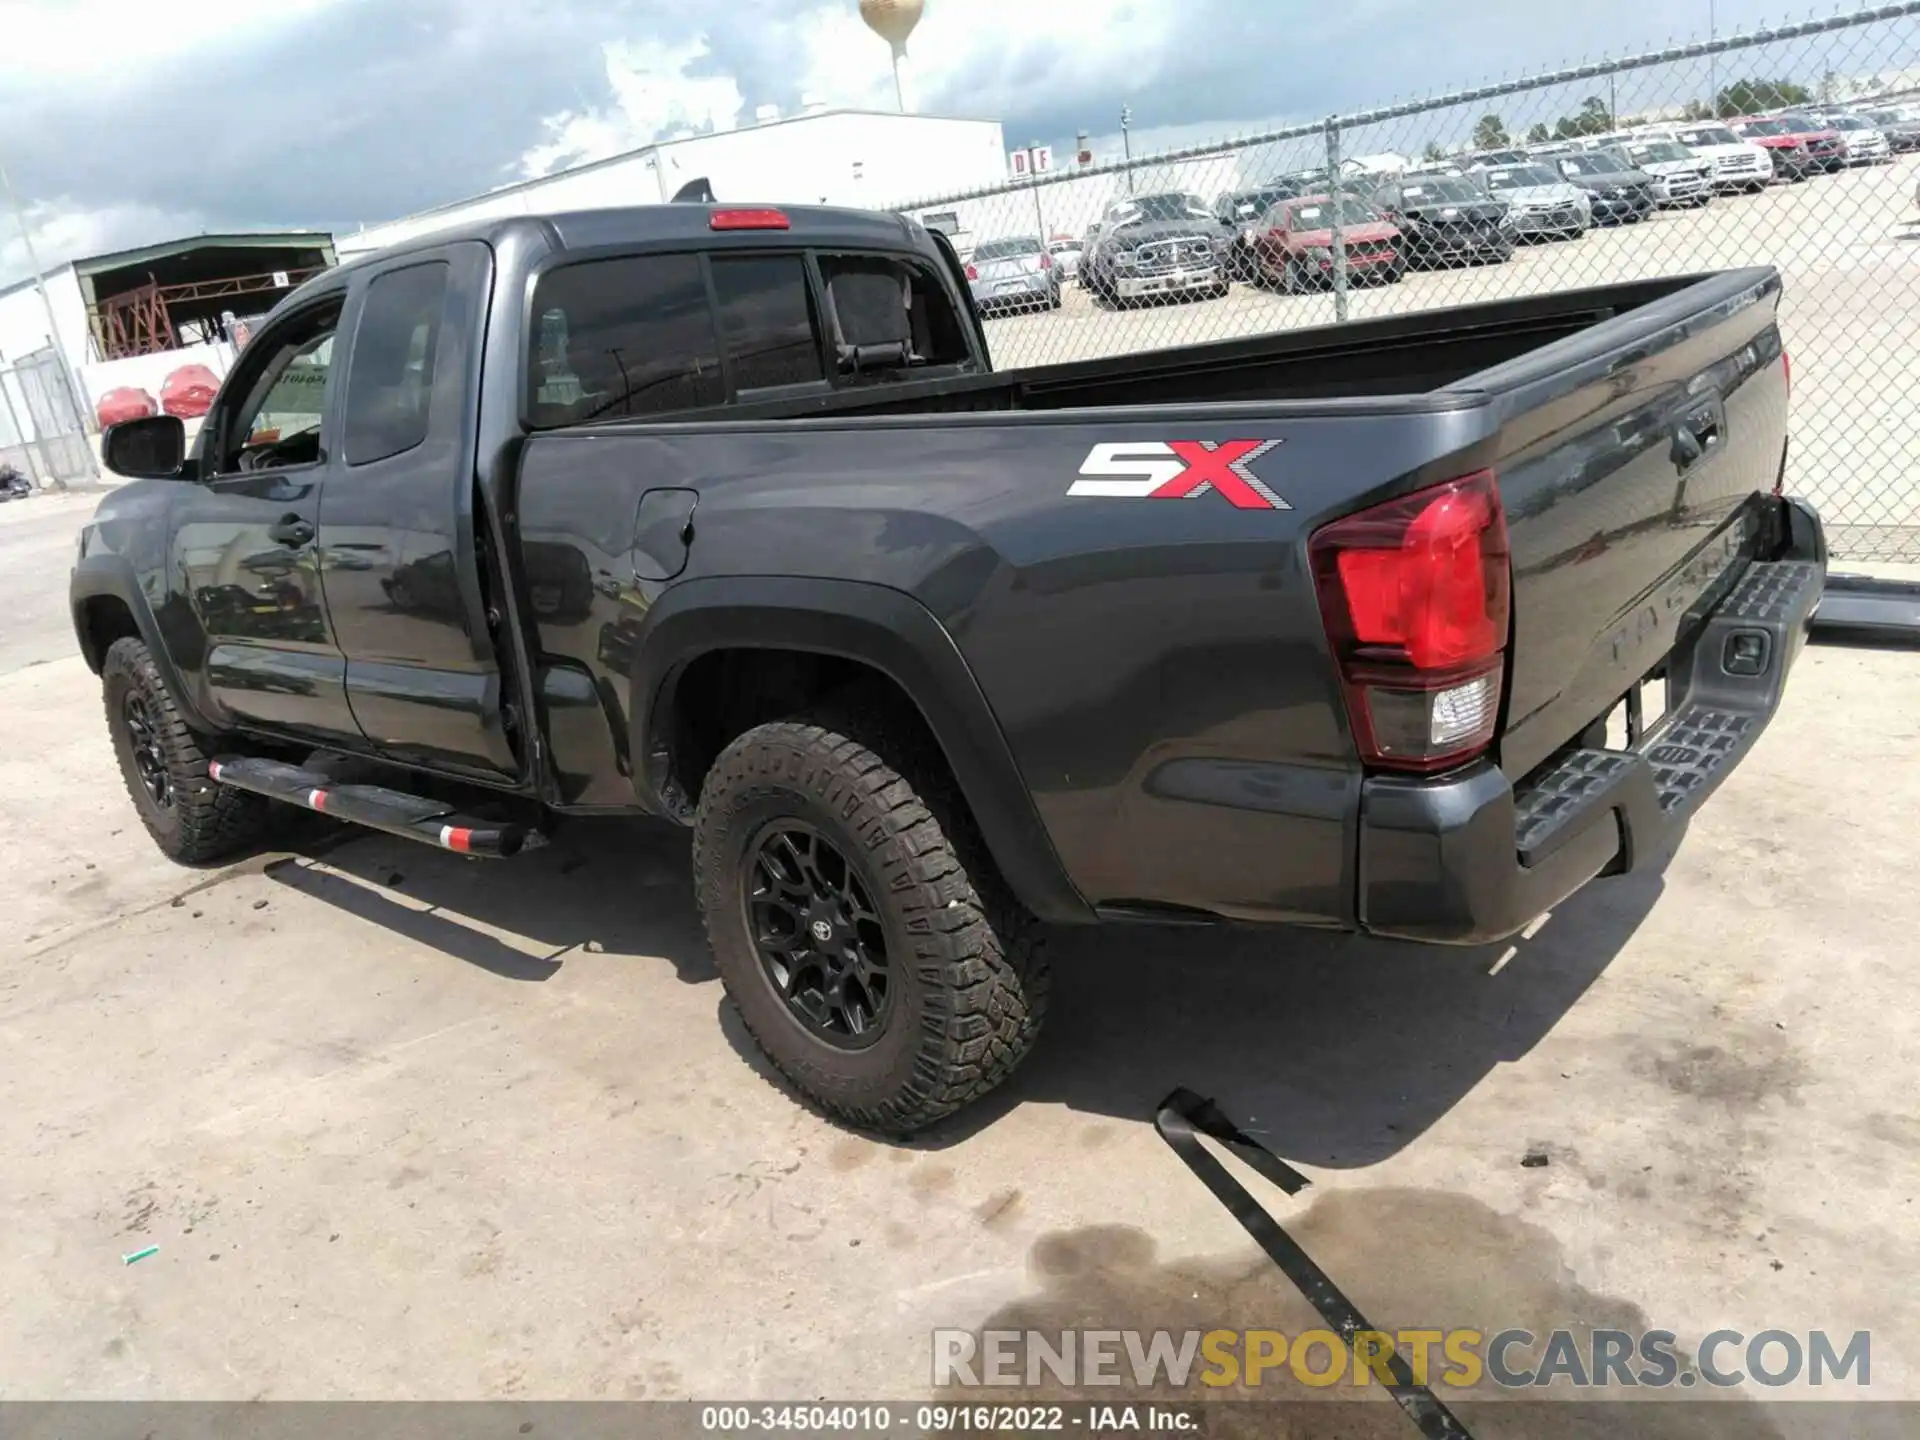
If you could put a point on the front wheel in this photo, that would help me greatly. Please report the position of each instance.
(858, 925)
(191, 819)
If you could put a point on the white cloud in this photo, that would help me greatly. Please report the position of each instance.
(120, 40)
(653, 96)
(983, 57)
(988, 57)
(63, 230)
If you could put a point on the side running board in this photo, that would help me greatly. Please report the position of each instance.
(1864, 609)
(412, 817)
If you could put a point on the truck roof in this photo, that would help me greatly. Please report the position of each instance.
(647, 224)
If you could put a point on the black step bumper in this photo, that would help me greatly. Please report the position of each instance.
(1473, 859)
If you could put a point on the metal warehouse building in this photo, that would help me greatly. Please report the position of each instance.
(869, 158)
(126, 322)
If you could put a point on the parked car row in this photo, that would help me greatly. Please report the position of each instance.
(1473, 210)
(1790, 145)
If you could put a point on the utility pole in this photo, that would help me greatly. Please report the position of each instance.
(1033, 179)
(1126, 141)
(53, 324)
(1713, 69)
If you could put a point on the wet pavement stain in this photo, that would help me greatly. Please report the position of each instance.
(1408, 1259)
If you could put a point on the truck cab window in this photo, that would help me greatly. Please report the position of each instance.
(390, 379)
(887, 317)
(620, 339)
(766, 321)
(277, 423)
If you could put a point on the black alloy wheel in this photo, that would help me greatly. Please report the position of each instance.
(149, 761)
(820, 939)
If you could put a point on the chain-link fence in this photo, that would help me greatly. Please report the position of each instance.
(41, 434)
(1796, 146)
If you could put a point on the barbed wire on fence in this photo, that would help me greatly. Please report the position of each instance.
(1796, 146)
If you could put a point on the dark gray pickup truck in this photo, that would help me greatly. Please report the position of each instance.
(723, 516)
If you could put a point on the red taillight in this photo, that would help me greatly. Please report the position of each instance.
(1415, 596)
(1046, 261)
(972, 273)
(1786, 369)
(748, 220)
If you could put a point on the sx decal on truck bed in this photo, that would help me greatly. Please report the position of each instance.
(1178, 470)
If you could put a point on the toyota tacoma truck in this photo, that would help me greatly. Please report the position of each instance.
(1409, 627)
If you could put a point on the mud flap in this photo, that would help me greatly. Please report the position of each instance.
(1181, 1119)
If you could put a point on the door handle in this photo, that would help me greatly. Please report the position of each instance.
(291, 530)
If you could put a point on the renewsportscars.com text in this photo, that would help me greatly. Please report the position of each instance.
(1512, 1359)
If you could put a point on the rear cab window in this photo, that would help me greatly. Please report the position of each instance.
(646, 335)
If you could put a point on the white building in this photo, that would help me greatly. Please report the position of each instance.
(867, 158)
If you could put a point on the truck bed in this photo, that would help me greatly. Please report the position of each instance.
(1393, 355)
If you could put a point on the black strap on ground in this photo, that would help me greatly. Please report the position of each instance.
(1181, 1119)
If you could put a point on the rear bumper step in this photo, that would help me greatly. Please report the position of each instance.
(1475, 858)
(412, 817)
(1862, 609)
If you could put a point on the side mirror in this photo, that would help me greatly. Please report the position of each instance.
(152, 447)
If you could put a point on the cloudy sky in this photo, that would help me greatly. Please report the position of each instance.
(123, 124)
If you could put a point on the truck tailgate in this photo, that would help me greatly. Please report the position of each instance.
(1633, 462)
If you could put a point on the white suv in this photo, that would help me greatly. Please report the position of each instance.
(1737, 164)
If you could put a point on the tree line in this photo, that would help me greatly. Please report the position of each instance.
(1595, 116)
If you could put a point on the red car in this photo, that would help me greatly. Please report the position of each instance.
(1798, 146)
(124, 402)
(1295, 243)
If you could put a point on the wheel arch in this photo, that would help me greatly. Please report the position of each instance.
(882, 632)
(108, 605)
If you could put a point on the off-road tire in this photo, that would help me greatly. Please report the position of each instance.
(204, 821)
(967, 961)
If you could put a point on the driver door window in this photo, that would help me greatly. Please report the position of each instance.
(278, 422)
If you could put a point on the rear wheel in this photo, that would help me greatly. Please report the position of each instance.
(191, 819)
(872, 950)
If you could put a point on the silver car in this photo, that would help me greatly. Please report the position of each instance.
(1015, 273)
(1539, 202)
(1680, 176)
(1065, 251)
(1860, 138)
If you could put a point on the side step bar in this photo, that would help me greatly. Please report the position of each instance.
(1866, 610)
(412, 817)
